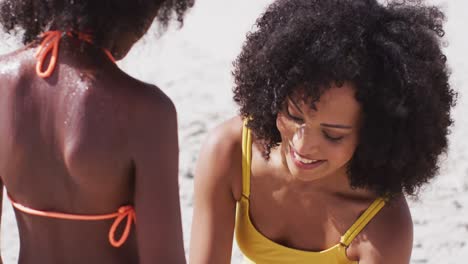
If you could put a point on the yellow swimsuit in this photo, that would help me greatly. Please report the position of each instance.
(259, 249)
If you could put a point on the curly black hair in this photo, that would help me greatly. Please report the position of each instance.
(103, 17)
(390, 52)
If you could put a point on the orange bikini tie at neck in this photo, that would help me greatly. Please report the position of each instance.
(127, 212)
(50, 46)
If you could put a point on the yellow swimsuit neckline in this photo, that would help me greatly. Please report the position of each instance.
(276, 244)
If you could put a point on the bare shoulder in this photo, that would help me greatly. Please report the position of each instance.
(220, 157)
(226, 137)
(151, 119)
(389, 236)
(150, 111)
(150, 99)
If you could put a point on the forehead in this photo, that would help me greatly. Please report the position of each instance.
(337, 104)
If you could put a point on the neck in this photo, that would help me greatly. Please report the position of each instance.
(337, 182)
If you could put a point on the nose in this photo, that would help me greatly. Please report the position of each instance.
(305, 141)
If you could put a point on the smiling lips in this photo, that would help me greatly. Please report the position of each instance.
(304, 163)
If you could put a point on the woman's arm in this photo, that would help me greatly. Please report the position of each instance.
(154, 148)
(218, 167)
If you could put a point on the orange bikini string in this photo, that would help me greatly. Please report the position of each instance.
(50, 44)
(123, 212)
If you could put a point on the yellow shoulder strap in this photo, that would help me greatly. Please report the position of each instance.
(246, 159)
(362, 221)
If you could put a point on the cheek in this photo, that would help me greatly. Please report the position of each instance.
(343, 153)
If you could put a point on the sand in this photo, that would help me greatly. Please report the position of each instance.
(193, 67)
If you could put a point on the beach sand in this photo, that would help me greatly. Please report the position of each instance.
(193, 67)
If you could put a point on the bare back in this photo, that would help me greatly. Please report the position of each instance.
(68, 146)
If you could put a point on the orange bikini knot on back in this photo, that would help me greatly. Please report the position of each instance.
(124, 212)
(50, 47)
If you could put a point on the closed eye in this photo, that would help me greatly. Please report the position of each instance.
(332, 138)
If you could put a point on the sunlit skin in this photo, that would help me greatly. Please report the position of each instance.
(294, 202)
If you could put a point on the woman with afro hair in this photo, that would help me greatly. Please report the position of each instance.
(89, 155)
(344, 110)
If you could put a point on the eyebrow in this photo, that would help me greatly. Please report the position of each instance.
(336, 126)
(322, 124)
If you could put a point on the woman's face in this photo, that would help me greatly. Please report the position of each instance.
(319, 141)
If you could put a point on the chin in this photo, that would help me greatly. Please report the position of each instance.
(306, 175)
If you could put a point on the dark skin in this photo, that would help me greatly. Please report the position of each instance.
(301, 209)
(88, 140)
